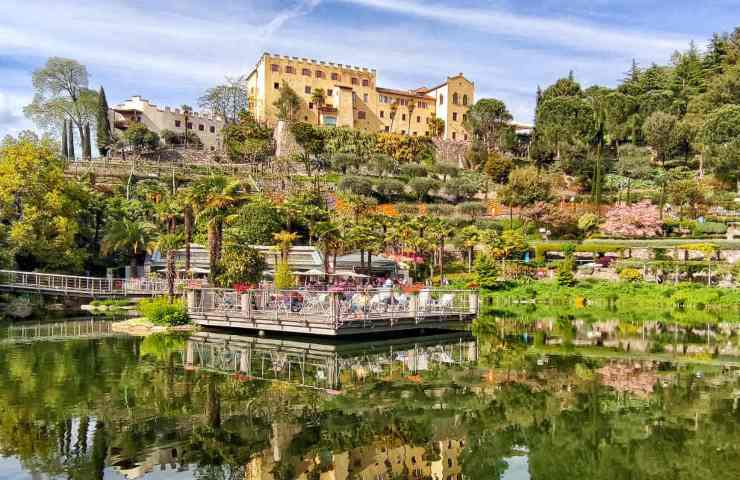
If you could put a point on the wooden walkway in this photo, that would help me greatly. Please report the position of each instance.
(332, 313)
(94, 287)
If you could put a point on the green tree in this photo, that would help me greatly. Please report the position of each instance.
(104, 136)
(140, 137)
(526, 187)
(423, 186)
(61, 92)
(167, 245)
(487, 121)
(660, 134)
(288, 103)
(240, 264)
(216, 196)
(129, 237)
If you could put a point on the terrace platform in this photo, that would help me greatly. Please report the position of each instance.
(332, 313)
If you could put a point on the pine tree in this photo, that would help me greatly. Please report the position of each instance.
(71, 143)
(65, 149)
(103, 130)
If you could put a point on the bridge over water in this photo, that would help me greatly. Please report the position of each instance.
(93, 287)
(58, 331)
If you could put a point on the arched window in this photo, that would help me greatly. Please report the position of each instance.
(465, 99)
(454, 99)
(441, 99)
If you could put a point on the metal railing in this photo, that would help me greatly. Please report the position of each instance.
(93, 286)
(333, 308)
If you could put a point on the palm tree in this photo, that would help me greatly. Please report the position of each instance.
(394, 110)
(167, 245)
(442, 230)
(168, 213)
(468, 238)
(186, 110)
(216, 196)
(284, 240)
(328, 240)
(186, 201)
(317, 98)
(411, 108)
(132, 237)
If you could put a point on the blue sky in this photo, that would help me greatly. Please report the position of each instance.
(169, 51)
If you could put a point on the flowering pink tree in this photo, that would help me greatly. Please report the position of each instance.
(639, 220)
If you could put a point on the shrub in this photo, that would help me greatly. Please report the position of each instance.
(390, 187)
(472, 209)
(709, 228)
(440, 209)
(565, 275)
(630, 275)
(486, 272)
(423, 186)
(588, 222)
(356, 185)
(461, 187)
(159, 311)
(413, 170)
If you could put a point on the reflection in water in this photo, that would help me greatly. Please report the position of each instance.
(509, 402)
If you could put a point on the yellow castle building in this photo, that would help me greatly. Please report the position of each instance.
(352, 97)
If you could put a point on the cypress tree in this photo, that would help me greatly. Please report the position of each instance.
(104, 135)
(87, 146)
(65, 151)
(71, 142)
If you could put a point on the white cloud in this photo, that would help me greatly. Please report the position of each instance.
(549, 31)
(12, 120)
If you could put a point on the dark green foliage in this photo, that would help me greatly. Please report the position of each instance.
(140, 137)
(160, 311)
(103, 131)
(413, 170)
(240, 264)
(356, 185)
(390, 188)
(486, 272)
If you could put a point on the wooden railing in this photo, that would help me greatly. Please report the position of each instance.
(89, 286)
(332, 309)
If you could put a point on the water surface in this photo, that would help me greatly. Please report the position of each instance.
(517, 398)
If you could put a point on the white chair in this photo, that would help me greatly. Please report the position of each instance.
(446, 302)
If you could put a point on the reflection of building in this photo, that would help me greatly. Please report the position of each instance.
(136, 109)
(353, 98)
(159, 458)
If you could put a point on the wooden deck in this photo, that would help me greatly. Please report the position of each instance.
(332, 313)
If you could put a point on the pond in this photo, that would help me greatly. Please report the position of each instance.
(519, 397)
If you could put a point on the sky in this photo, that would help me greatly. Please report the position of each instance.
(170, 51)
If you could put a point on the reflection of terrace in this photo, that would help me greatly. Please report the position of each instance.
(58, 331)
(324, 365)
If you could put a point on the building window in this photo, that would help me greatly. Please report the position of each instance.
(393, 115)
(190, 125)
(418, 119)
(276, 85)
(306, 72)
(335, 76)
(307, 89)
(465, 99)
(403, 132)
(213, 149)
(454, 116)
(310, 105)
(453, 135)
(403, 117)
(465, 137)
(212, 129)
(364, 97)
(177, 123)
(329, 92)
(355, 81)
(455, 99)
(201, 127)
(465, 117)
(305, 119)
(414, 133)
(361, 115)
(289, 69)
(441, 99)
(319, 74)
(365, 82)
(387, 128)
(382, 114)
(275, 67)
